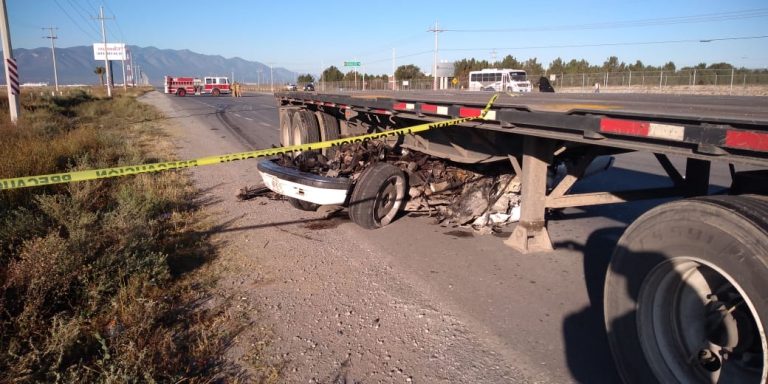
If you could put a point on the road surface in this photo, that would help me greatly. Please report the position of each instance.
(520, 318)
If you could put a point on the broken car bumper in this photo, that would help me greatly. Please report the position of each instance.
(303, 185)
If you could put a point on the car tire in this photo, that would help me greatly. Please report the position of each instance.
(302, 204)
(215, 92)
(378, 196)
(687, 282)
(181, 92)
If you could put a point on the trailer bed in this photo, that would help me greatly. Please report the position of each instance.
(725, 128)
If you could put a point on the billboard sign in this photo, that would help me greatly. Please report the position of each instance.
(115, 51)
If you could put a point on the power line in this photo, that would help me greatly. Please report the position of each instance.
(702, 18)
(615, 44)
(72, 20)
(83, 13)
(120, 30)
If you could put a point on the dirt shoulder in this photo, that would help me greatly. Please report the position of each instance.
(322, 305)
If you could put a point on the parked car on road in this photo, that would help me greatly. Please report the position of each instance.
(290, 87)
(309, 87)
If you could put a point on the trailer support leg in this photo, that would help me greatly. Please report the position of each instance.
(531, 234)
(697, 177)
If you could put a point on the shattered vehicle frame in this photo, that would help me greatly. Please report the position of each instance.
(476, 184)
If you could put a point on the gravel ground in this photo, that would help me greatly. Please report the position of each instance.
(326, 307)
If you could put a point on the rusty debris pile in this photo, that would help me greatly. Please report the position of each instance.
(455, 195)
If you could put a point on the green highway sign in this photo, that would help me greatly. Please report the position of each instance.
(351, 63)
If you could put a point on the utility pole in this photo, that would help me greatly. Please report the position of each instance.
(436, 29)
(394, 80)
(53, 37)
(11, 71)
(271, 79)
(493, 56)
(106, 54)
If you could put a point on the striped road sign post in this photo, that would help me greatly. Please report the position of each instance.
(13, 76)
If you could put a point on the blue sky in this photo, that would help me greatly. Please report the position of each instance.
(306, 36)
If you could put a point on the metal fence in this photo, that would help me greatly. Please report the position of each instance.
(661, 79)
(695, 80)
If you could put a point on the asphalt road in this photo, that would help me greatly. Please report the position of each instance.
(546, 307)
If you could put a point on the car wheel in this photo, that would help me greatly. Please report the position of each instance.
(215, 92)
(378, 196)
(181, 92)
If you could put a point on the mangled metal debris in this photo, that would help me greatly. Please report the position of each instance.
(481, 196)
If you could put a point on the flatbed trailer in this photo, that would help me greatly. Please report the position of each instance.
(686, 297)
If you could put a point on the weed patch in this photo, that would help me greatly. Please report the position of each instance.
(101, 281)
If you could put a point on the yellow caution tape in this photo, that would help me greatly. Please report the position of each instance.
(93, 174)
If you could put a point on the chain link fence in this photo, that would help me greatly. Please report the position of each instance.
(723, 80)
(710, 81)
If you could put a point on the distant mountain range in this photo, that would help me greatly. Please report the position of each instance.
(76, 65)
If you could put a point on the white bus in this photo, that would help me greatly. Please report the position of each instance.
(499, 80)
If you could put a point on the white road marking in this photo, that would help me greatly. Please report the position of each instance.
(264, 124)
(248, 118)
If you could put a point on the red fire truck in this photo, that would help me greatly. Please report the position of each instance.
(181, 86)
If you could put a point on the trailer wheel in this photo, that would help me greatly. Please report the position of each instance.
(181, 92)
(304, 128)
(303, 205)
(285, 126)
(378, 196)
(685, 294)
(329, 130)
(215, 92)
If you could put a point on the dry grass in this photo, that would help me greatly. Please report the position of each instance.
(103, 281)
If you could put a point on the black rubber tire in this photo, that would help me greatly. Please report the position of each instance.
(181, 92)
(304, 128)
(721, 239)
(285, 126)
(378, 196)
(215, 92)
(303, 205)
(329, 130)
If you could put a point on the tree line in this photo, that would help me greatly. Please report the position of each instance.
(532, 66)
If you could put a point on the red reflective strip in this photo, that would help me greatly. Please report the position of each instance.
(747, 140)
(624, 127)
(400, 106)
(470, 112)
(381, 111)
(429, 108)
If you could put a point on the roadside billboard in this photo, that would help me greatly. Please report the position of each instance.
(115, 51)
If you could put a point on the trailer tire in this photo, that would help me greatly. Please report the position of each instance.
(378, 196)
(303, 205)
(304, 128)
(686, 282)
(285, 126)
(181, 92)
(329, 130)
(215, 92)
